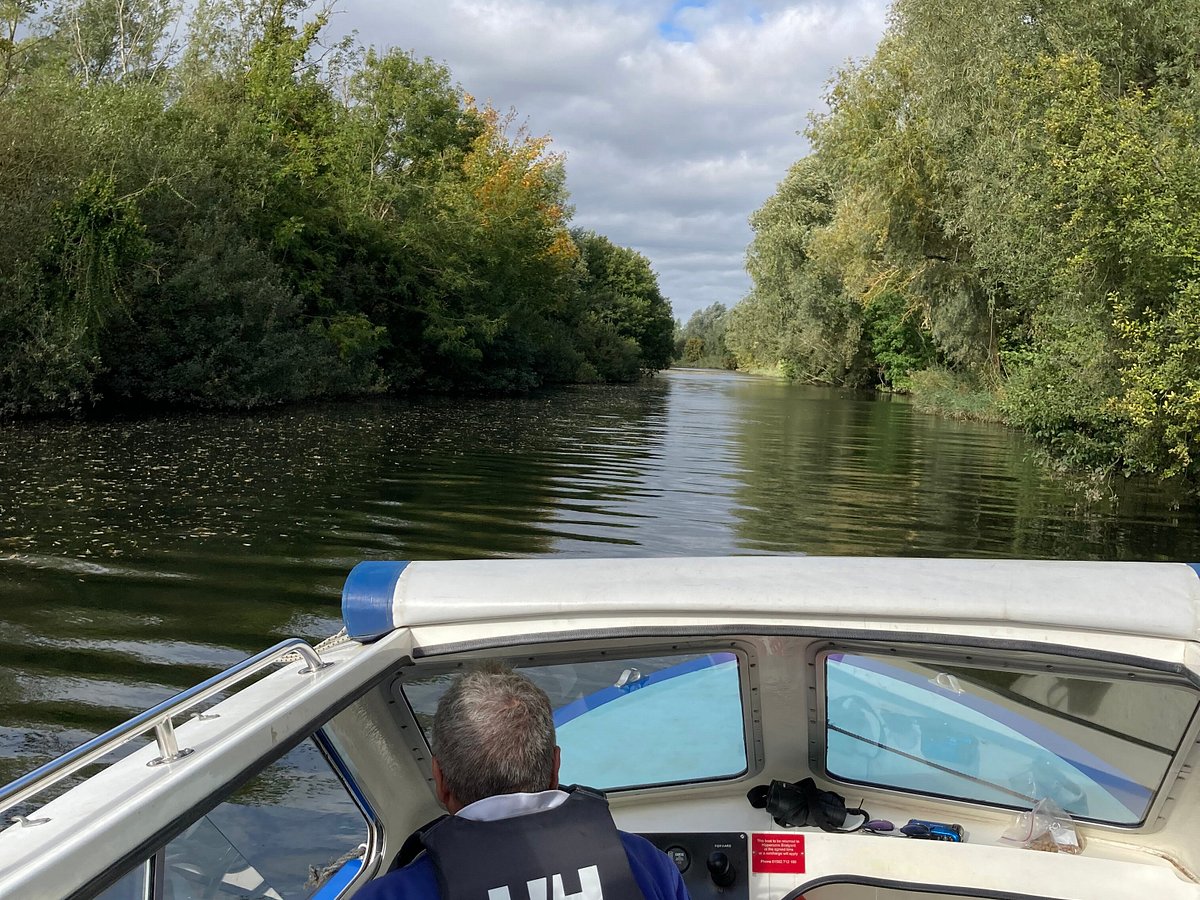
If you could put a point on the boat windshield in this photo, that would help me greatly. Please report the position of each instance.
(1098, 746)
(635, 721)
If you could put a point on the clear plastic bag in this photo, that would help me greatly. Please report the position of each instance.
(1045, 827)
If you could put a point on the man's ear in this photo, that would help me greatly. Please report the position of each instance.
(554, 774)
(439, 786)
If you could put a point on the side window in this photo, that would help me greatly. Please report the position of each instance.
(632, 722)
(292, 832)
(1098, 746)
(132, 886)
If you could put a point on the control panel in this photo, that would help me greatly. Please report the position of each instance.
(713, 864)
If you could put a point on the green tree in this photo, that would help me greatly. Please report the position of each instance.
(245, 215)
(798, 318)
(622, 296)
(14, 44)
(701, 342)
(114, 40)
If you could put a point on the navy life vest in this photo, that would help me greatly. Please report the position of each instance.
(571, 852)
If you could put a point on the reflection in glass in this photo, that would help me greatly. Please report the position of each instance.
(1098, 747)
(636, 721)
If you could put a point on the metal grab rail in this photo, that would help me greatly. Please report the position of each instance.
(157, 718)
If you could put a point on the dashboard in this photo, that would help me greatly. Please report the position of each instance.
(713, 864)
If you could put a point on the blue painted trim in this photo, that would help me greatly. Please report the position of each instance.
(577, 708)
(1196, 567)
(367, 599)
(338, 882)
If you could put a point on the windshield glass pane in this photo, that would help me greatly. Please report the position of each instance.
(1099, 747)
(633, 721)
(293, 832)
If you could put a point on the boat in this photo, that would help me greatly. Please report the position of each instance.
(946, 698)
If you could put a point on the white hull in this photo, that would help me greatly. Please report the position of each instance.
(780, 620)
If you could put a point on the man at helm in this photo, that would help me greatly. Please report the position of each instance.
(511, 833)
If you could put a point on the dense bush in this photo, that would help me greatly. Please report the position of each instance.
(897, 343)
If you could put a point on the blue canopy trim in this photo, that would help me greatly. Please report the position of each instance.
(367, 599)
(334, 886)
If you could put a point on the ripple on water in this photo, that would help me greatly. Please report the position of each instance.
(137, 556)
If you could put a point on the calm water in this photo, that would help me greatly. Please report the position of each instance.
(137, 558)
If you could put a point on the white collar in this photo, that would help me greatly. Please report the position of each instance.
(506, 806)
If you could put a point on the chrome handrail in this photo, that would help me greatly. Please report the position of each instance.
(157, 718)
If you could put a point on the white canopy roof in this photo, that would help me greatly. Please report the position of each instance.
(1160, 600)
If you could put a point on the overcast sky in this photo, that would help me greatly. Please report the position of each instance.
(677, 117)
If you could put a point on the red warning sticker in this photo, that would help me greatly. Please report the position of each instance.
(777, 853)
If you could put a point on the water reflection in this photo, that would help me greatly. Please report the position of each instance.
(828, 472)
(138, 557)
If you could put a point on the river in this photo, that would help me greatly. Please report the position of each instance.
(138, 557)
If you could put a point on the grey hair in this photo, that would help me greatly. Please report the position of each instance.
(493, 733)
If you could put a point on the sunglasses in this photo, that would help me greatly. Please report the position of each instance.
(919, 829)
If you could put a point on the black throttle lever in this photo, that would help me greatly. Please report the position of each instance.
(721, 869)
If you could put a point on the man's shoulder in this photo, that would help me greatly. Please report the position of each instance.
(635, 843)
(416, 881)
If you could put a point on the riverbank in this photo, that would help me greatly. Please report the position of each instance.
(1030, 222)
(934, 391)
(943, 393)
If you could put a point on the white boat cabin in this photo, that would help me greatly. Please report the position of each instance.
(959, 692)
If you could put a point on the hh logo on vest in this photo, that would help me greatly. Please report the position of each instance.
(589, 888)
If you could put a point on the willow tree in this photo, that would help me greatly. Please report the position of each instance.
(798, 317)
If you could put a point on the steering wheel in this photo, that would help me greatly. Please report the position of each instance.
(857, 719)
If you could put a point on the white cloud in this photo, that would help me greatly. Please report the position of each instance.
(671, 143)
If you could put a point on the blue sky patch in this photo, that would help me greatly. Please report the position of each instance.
(672, 30)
